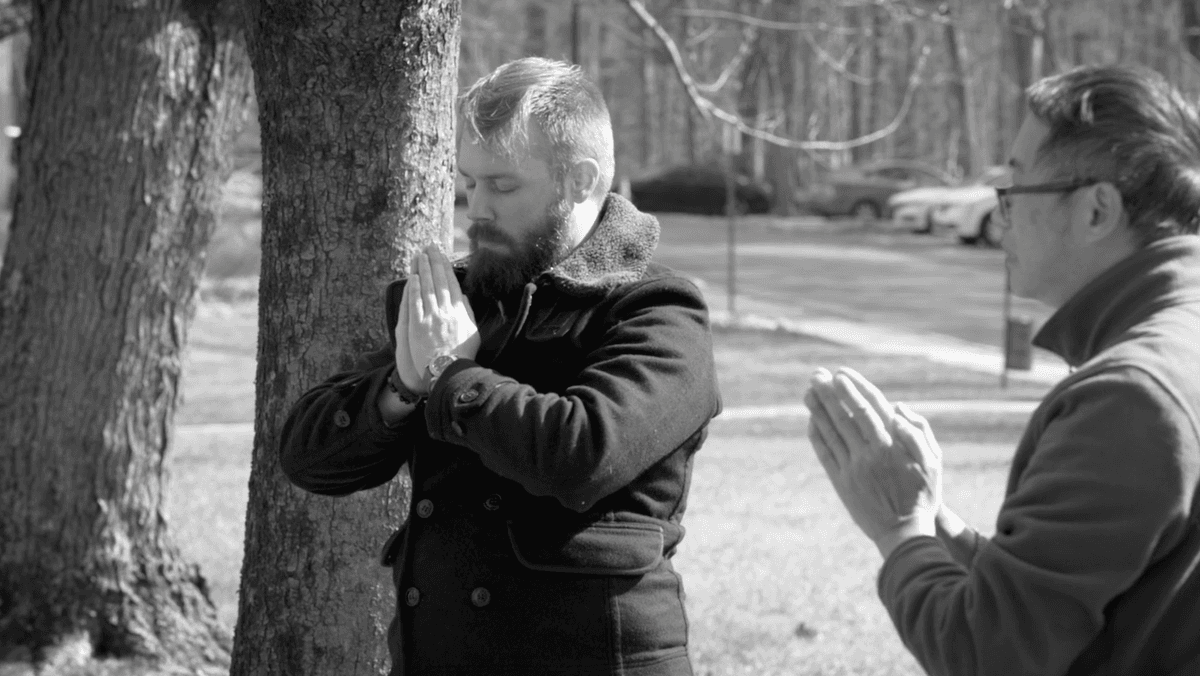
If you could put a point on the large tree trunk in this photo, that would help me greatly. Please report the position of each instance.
(120, 168)
(356, 101)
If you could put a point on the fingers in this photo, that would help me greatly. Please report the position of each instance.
(922, 424)
(429, 286)
(862, 413)
(869, 392)
(401, 329)
(452, 285)
(830, 448)
(836, 414)
(910, 439)
(440, 269)
(415, 301)
(404, 361)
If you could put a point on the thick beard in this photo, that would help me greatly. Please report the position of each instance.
(492, 275)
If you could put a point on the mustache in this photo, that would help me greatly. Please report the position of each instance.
(486, 230)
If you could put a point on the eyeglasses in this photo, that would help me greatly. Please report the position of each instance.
(1057, 186)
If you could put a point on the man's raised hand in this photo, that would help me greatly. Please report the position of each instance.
(409, 372)
(440, 319)
(881, 459)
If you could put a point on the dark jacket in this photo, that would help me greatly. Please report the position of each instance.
(550, 474)
(1094, 567)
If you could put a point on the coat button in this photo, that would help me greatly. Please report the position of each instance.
(492, 503)
(481, 597)
(468, 396)
(341, 419)
(413, 596)
(425, 508)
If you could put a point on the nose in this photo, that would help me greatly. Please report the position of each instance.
(478, 206)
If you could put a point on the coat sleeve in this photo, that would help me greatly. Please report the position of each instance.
(334, 441)
(1106, 493)
(647, 387)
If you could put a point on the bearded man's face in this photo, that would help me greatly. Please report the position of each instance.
(501, 264)
(519, 215)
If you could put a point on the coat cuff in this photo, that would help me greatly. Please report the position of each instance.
(904, 563)
(370, 423)
(456, 396)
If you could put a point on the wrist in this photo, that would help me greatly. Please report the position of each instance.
(437, 366)
(912, 527)
(405, 394)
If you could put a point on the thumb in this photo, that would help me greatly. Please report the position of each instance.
(910, 437)
(910, 415)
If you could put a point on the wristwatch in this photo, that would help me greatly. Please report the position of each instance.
(397, 385)
(437, 365)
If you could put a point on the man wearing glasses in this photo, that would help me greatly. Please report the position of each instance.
(1094, 566)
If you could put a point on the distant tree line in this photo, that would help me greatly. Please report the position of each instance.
(817, 71)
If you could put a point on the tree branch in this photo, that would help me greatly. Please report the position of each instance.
(768, 23)
(709, 110)
(743, 51)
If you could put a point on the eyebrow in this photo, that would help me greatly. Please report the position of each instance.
(494, 175)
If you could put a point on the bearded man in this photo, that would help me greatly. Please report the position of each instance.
(548, 408)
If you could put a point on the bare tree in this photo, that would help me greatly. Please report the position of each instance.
(120, 166)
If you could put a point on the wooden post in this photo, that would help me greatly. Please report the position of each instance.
(731, 143)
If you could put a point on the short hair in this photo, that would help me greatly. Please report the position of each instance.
(566, 105)
(1126, 125)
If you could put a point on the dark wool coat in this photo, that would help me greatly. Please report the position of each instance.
(550, 473)
(1095, 564)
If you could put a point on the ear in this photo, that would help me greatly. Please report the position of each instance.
(582, 180)
(1104, 214)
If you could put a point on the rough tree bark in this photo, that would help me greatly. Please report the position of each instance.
(356, 101)
(121, 163)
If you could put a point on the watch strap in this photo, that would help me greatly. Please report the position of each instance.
(396, 384)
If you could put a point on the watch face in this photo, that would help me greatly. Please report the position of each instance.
(440, 363)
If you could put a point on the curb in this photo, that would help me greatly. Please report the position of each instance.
(875, 339)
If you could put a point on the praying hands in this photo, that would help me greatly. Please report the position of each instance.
(882, 458)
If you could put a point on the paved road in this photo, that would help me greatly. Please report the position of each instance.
(882, 291)
(920, 283)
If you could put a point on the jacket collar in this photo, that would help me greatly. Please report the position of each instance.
(616, 251)
(1162, 274)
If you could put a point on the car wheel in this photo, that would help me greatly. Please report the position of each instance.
(865, 210)
(989, 235)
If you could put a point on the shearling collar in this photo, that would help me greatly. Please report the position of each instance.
(1162, 274)
(616, 251)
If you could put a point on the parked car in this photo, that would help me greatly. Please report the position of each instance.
(913, 209)
(862, 191)
(697, 190)
(969, 209)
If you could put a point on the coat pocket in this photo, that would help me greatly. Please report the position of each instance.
(606, 548)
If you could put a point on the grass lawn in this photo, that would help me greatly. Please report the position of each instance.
(778, 578)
